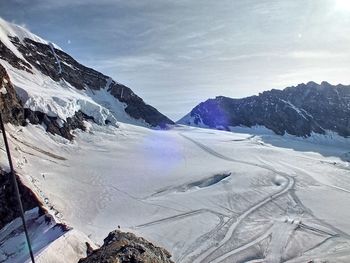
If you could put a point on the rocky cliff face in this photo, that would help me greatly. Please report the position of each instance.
(10, 106)
(53, 89)
(60, 66)
(120, 247)
(9, 209)
(298, 110)
(12, 111)
(16, 62)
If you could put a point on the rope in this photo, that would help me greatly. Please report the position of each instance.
(14, 181)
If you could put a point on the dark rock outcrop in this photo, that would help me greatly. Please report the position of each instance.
(7, 54)
(41, 56)
(56, 126)
(136, 107)
(9, 209)
(10, 105)
(298, 110)
(13, 112)
(120, 247)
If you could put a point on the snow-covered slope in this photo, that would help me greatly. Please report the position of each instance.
(50, 81)
(204, 195)
(9, 29)
(52, 242)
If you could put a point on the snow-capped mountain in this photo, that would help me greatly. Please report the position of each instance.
(55, 89)
(41, 84)
(300, 110)
(203, 195)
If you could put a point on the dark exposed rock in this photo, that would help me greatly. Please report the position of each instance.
(298, 110)
(9, 209)
(10, 105)
(13, 112)
(7, 54)
(41, 57)
(57, 126)
(89, 249)
(136, 107)
(120, 247)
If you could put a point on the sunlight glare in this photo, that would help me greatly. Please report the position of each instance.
(342, 5)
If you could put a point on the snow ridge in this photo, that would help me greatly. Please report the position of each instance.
(43, 88)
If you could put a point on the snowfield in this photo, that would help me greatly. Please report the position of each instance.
(205, 195)
(50, 242)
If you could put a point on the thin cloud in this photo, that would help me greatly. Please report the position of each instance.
(233, 48)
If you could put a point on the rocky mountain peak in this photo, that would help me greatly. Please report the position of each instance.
(51, 82)
(10, 105)
(298, 110)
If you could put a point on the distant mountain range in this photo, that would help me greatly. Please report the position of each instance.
(299, 110)
(47, 86)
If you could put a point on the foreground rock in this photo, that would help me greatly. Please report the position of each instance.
(9, 208)
(301, 110)
(120, 247)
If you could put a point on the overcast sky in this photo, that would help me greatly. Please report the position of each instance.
(175, 54)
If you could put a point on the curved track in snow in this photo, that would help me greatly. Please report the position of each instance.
(236, 221)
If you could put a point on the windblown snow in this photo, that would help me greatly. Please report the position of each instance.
(9, 29)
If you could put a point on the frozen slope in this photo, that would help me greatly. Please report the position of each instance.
(51, 242)
(10, 29)
(50, 81)
(205, 195)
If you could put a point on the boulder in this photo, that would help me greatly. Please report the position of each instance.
(121, 247)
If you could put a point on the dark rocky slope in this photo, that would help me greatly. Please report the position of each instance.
(9, 208)
(12, 111)
(298, 110)
(11, 108)
(120, 247)
(42, 57)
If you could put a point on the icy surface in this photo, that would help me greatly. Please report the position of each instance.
(59, 99)
(56, 57)
(50, 243)
(205, 195)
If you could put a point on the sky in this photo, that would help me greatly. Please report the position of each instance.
(176, 54)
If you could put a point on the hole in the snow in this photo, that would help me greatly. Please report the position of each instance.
(279, 180)
(208, 181)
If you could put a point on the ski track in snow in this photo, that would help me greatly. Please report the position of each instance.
(230, 232)
(176, 217)
(171, 204)
(192, 197)
(282, 233)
